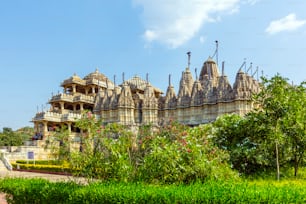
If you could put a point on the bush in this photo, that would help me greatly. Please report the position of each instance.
(41, 162)
(185, 157)
(42, 168)
(172, 154)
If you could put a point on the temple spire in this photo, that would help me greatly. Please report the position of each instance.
(196, 73)
(169, 80)
(114, 80)
(123, 77)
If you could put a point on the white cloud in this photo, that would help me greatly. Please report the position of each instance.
(251, 2)
(150, 35)
(288, 23)
(174, 22)
(202, 39)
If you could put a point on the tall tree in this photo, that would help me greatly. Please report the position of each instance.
(294, 124)
(274, 103)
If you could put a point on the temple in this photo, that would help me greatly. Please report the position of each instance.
(137, 102)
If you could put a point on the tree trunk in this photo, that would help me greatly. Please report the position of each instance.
(297, 163)
(277, 162)
(296, 169)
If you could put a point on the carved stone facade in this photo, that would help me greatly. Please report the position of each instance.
(136, 101)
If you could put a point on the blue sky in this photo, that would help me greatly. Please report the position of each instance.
(44, 42)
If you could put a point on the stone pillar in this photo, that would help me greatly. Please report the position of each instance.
(36, 129)
(69, 126)
(45, 130)
(74, 107)
(62, 106)
(86, 91)
(93, 89)
(73, 88)
(81, 107)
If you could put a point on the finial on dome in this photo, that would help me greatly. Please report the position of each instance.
(250, 68)
(243, 65)
(114, 80)
(217, 52)
(97, 70)
(123, 77)
(196, 73)
(223, 68)
(189, 55)
(169, 80)
(147, 77)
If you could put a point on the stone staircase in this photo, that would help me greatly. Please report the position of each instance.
(2, 167)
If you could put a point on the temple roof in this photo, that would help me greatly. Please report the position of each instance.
(73, 79)
(138, 83)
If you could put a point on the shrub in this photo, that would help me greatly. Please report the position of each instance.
(171, 154)
(184, 157)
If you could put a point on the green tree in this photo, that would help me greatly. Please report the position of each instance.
(10, 138)
(273, 101)
(274, 132)
(294, 124)
(27, 132)
(59, 144)
(243, 138)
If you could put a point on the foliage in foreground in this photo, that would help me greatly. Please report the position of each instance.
(42, 191)
(172, 154)
(271, 137)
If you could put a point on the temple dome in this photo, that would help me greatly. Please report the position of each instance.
(75, 79)
(96, 75)
(210, 69)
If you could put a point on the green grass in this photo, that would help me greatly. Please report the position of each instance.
(42, 191)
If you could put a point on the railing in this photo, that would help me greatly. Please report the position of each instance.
(84, 98)
(73, 98)
(57, 117)
(62, 97)
(52, 116)
(71, 117)
(6, 162)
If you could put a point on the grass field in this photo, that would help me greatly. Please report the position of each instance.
(42, 191)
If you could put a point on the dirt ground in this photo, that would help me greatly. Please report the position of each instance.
(2, 198)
